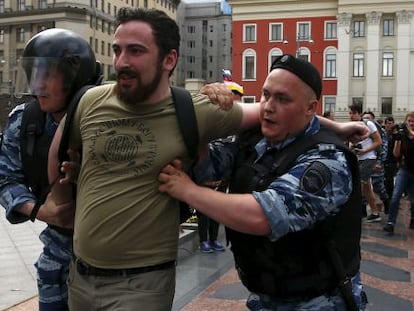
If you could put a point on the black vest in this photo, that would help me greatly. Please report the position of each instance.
(298, 264)
(34, 148)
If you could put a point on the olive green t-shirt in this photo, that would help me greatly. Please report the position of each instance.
(122, 219)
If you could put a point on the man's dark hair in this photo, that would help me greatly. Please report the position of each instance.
(389, 119)
(164, 28)
(327, 114)
(370, 113)
(355, 108)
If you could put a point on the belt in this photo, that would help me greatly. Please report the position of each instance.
(84, 269)
(63, 231)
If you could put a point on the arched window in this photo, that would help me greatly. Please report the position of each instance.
(275, 52)
(329, 70)
(249, 65)
(303, 53)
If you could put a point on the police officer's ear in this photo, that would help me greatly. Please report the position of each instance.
(311, 106)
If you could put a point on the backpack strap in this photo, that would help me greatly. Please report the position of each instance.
(64, 143)
(187, 122)
(186, 118)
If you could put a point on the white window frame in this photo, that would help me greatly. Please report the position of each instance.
(250, 29)
(249, 53)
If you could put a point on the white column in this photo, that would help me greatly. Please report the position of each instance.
(404, 81)
(373, 61)
(343, 65)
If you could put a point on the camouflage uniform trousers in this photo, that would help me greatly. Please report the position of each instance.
(52, 270)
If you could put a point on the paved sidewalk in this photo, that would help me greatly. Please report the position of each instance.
(19, 249)
(207, 282)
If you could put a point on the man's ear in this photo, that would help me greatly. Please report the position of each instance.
(170, 61)
(311, 108)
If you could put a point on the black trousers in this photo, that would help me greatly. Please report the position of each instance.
(207, 228)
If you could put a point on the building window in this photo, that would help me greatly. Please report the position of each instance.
(41, 28)
(388, 27)
(42, 4)
(248, 99)
(358, 29)
(249, 65)
(249, 33)
(191, 59)
(103, 47)
(1, 6)
(190, 74)
(303, 53)
(303, 31)
(330, 64)
(109, 8)
(276, 32)
(96, 45)
(358, 65)
(191, 44)
(20, 37)
(274, 53)
(191, 29)
(387, 64)
(21, 5)
(386, 105)
(1, 35)
(358, 101)
(329, 103)
(331, 30)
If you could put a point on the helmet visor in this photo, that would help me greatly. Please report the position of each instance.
(37, 75)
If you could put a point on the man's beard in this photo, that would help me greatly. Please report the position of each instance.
(140, 92)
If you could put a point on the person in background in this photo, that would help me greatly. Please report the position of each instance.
(367, 157)
(56, 64)
(329, 115)
(289, 229)
(378, 176)
(208, 228)
(390, 164)
(404, 180)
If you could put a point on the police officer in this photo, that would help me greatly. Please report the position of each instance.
(56, 63)
(294, 216)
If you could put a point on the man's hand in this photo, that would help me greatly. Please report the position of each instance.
(59, 215)
(70, 168)
(175, 181)
(219, 94)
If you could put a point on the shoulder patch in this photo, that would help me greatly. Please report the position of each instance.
(315, 177)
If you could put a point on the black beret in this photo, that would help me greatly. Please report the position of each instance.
(301, 68)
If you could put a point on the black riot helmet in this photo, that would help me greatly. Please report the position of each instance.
(56, 50)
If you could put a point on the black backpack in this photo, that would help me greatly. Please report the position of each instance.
(186, 119)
